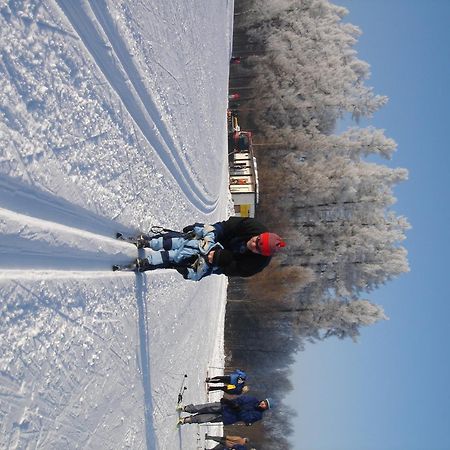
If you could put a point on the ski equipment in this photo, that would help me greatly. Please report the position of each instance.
(132, 267)
(179, 406)
(183, 387)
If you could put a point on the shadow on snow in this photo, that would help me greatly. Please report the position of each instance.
(144, 359)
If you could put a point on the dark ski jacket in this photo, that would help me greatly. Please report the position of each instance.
(233, 234)
(241, 409)
(238, 377)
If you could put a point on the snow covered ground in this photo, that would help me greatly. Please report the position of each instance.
(112, 117)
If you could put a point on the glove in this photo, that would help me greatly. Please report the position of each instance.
(183, 271)
(188, 228)
(190, 235)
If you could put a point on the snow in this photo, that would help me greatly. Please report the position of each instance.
(112, 117)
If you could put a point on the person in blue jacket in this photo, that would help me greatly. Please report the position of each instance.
(244, 410)
(195, 254)
(233, 383)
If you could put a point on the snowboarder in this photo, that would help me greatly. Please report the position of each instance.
(228, 442)
(244, 410)
(234, 383)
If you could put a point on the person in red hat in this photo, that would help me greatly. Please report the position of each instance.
(249, 243)
(237, 247)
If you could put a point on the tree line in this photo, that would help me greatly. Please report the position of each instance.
(329, 194)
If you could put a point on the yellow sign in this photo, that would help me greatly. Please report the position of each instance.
(245, 210)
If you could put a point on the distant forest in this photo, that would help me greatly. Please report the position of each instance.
(329, 195)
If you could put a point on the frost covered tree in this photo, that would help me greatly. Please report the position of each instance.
(321, 190)
(333, 206)
(308, 69)
(336, 318)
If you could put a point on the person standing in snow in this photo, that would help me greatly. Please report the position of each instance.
(228, 442)
(233, 383)
(244, 410)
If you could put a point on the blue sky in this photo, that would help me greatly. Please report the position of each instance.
(390, 391)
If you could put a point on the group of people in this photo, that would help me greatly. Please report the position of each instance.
(235, 247)
(240, 409)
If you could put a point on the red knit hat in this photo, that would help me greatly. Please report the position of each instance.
(269, 243)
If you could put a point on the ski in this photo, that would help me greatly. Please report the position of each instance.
(132, 267)
(140, 240)
(130, 239)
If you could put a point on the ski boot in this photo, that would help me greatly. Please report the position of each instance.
(142, 264)
(182, 421)
(142, 241)
(125, 267)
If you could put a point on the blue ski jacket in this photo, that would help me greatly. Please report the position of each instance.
(238, 377)
(241, 409)
(187, 253)
(201, 245)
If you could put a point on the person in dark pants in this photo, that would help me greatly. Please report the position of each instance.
(244, 410)
(234, 382)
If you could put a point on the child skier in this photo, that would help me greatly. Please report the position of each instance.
(194, 254)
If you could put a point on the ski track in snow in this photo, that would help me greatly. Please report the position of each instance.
(109, 121)
(30, 243)
(96, 29)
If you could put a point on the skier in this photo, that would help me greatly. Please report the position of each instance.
(241, 410)
(228, 442)
(195, 254)
(234, 383)
(248, 247)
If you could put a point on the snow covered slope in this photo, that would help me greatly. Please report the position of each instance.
(112, 117)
